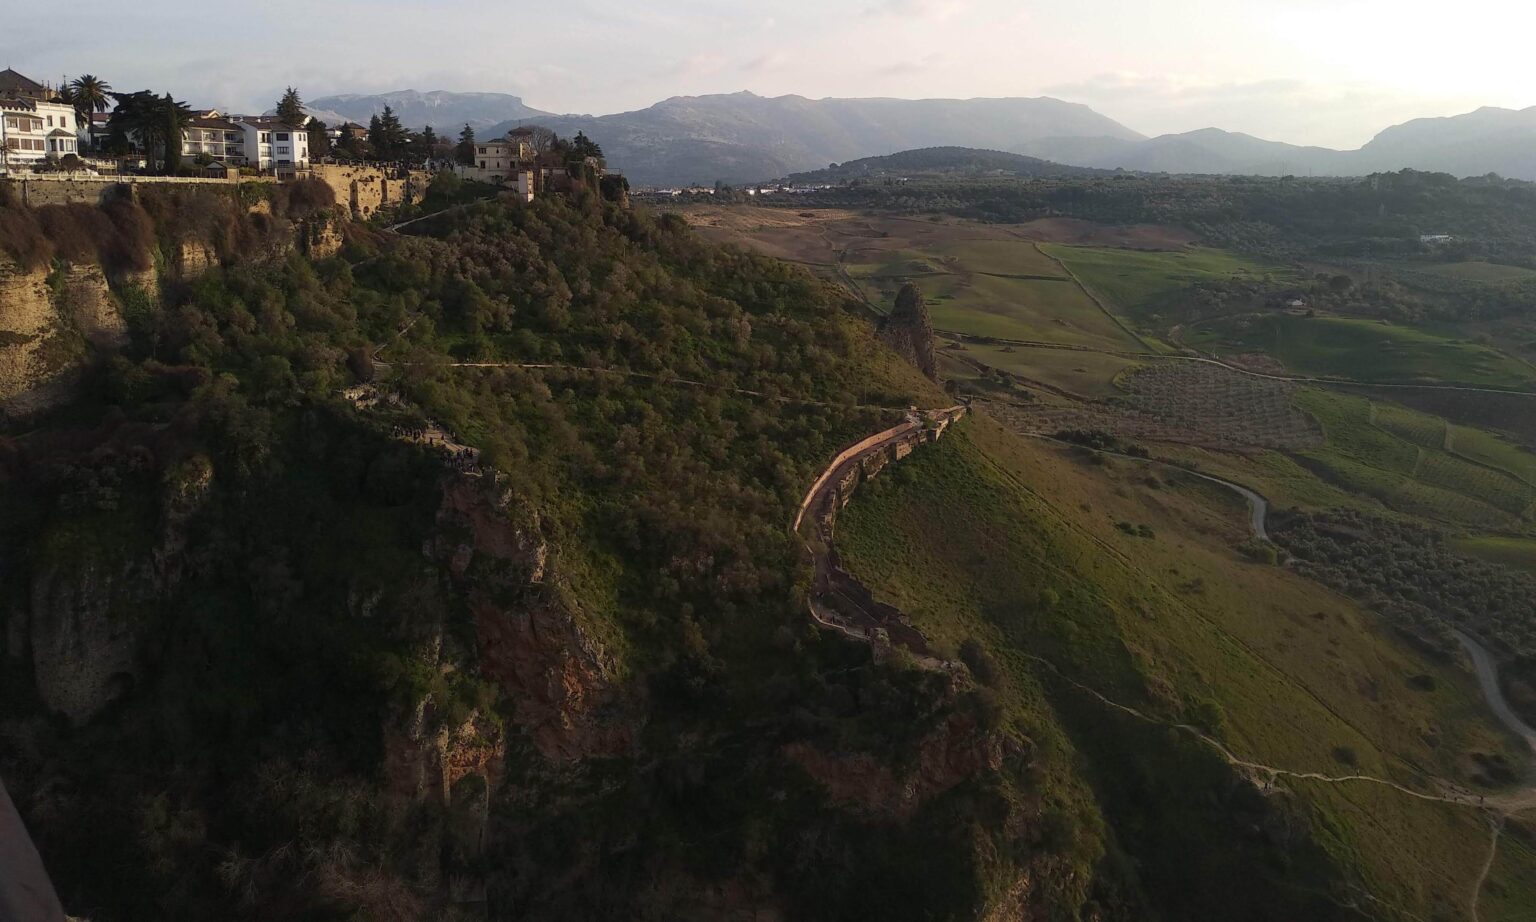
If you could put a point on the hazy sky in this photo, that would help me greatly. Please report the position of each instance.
(1329, 72)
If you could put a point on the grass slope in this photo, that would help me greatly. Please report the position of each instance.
(986, 536)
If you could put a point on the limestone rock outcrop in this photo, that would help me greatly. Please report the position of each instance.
(909, 330)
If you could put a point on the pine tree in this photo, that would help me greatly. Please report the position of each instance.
(426, 143)
(290, 108)
(386, 135)
(376, 136)
(319, 139)
(465, 152)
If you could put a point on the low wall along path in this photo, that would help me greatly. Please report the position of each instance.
(838, 601)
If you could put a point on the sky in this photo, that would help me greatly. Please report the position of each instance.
(1325, 72)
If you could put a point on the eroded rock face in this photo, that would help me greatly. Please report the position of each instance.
(529, 641)
(34, 347)
(909, 330)
(83, 643)
(955, 751)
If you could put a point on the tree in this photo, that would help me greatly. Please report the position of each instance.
(424, 144)
(542, 140)
(583, 147)
(175, 116)
(386, 135)
(89, 94)
(290, 108)
(465, 151)
(156, 121)
(319, 138)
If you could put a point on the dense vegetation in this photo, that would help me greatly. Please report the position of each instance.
(952, 162)
(1383, 215)
(261, 542)
(1416, 578)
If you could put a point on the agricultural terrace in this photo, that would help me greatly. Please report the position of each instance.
(1400, 457)
(1362, 350)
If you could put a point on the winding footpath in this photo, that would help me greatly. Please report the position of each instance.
(825, 496)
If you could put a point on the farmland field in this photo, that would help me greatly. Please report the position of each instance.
(1512, 552)
(1476, 271)
(1137, 282)
(1389, 453)
(1363, 350)
(1086, 374)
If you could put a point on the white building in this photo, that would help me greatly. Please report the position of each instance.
(503, 162)
(210, 134)
(33, 126)
(271, 144)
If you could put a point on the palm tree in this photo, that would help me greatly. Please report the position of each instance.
(89, 94)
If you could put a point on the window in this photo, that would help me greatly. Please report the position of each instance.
(482, 163)
(266, 137)
(50, 121)
(282, 135)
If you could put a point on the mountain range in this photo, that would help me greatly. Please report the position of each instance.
(446, 112)
(743, 137)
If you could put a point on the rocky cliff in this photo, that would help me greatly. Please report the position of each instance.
(909, 330)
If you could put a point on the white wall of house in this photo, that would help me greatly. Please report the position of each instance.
(31, 132)
(269, 145)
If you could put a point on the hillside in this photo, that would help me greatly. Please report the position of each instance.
(940, 161)
(743, 137)
(1489, 140)
(446, 112)
(450, 575)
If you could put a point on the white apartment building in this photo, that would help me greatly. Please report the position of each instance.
(217, 137)
(33, 128)
(271, 144)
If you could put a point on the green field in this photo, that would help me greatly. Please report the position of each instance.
(1394, 455)
(1138, 282)
(1509, 551)
(1476, 271)
(1086, 374)
(1363, 350)
(1009, 308)
(960, 540)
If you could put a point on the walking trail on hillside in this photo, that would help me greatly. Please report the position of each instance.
(1497, 808)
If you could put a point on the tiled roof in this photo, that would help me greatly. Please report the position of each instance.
(14, 104)
(12, 82)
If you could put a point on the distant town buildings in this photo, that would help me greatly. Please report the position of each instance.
(34, 126)
(37, 126)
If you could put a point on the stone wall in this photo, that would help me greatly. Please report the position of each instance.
(364, 190)
(64, 190)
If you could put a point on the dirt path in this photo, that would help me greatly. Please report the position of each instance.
(1098, 302)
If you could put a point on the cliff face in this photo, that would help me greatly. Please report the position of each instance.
(909, 330)
(530, 643)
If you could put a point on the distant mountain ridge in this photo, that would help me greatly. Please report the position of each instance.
(743, 137)
(445, 111)
(1489, 140)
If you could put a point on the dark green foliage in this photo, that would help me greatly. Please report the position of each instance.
(239, 776)
(1412, 576)
(291, 108)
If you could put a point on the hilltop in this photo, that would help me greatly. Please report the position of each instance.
(743, 137)
(941, 161)
(446, 112)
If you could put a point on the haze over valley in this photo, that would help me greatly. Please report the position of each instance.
(1028, 461)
